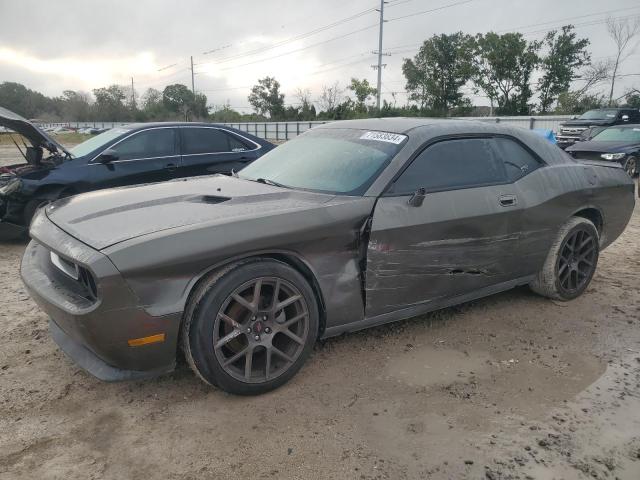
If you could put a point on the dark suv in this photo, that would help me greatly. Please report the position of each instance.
(128, 155)
(571, 131)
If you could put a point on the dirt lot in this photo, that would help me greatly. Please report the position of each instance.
(512, 386)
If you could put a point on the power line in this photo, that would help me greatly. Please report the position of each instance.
(415, 14)
(604, 12)
(295, 38)
(302, 48)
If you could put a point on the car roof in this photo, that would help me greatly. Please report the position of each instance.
(393, 124)
(136, 126)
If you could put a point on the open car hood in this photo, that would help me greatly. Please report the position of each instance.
(24, 127)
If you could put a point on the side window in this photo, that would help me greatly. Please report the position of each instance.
(159, 142)
(236, 145)
(518, 162)
(209, 140)
(452, 164)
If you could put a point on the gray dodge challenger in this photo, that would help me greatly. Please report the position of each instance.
(351, 225)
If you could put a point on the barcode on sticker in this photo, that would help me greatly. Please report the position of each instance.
(384, 137)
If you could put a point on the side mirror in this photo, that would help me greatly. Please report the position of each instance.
(574, 117)
(625, 118)
(418, 197)
(108, 155)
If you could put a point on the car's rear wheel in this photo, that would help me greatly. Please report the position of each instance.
(631, 166)
(249, 327)
(571, 261)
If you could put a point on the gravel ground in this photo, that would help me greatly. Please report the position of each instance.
(513, 386)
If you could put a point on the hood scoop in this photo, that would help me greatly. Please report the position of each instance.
(210, 199)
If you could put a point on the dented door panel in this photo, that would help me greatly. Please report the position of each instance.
(456, 242)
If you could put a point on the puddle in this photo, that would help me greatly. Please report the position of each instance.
(429, 365)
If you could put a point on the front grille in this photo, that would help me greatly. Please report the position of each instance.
(87, 281)
(79, 282)
(573, 131)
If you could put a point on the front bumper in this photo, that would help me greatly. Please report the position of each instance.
(95, 333)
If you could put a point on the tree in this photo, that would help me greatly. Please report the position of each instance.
(632, 98)
(110, 104)
(438, 71)
(330, 97)
(503, 68)
(363, 91)
(622, 32)
(566, 54)
(177, 98)
(265, 98)
(577, 102)
(225, 113)
(595, 74)
(306, 110)
(152, 106)
(75, 105)
(28, 103)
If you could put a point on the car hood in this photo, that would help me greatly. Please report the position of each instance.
(603, 147)
(24, 127)
(104, 218)
(587, 123)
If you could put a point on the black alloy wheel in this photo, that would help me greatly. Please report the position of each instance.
(577, 260)
(261, 329)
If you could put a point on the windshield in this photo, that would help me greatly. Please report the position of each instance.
(605, 114)
(619, 134)
(96, 142)
(332, 160)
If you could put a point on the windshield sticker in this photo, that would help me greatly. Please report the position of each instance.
(384, 137)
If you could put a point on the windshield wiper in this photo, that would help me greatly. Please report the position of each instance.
(271, 182)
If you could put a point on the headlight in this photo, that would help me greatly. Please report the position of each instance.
(613, 156)
(11, 186)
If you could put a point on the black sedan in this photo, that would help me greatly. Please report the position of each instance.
(619, 144)
(351, 225)
(128, 155)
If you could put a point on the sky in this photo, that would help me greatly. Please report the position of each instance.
(51, 46)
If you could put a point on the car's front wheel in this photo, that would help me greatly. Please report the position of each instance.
(571, 261)
(250, 326)
(631, 166)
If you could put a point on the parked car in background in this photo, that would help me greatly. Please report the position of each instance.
(128, 155)
(619, 144)
(350, 225)
(589, 133)
(570, 131)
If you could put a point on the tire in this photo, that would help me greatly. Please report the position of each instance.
(243, 346)
(631, 166)
(569, 268)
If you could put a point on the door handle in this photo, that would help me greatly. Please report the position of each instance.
(171, 167)
(508, 200)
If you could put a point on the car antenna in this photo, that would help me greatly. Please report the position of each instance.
(18, 147)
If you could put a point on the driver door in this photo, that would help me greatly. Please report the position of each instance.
(144, 157)
(462, 236)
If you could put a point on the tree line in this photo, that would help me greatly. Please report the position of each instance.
(517, 76)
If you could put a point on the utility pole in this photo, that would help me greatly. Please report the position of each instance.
(133, 96)
(193, 82)
(380, 65)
